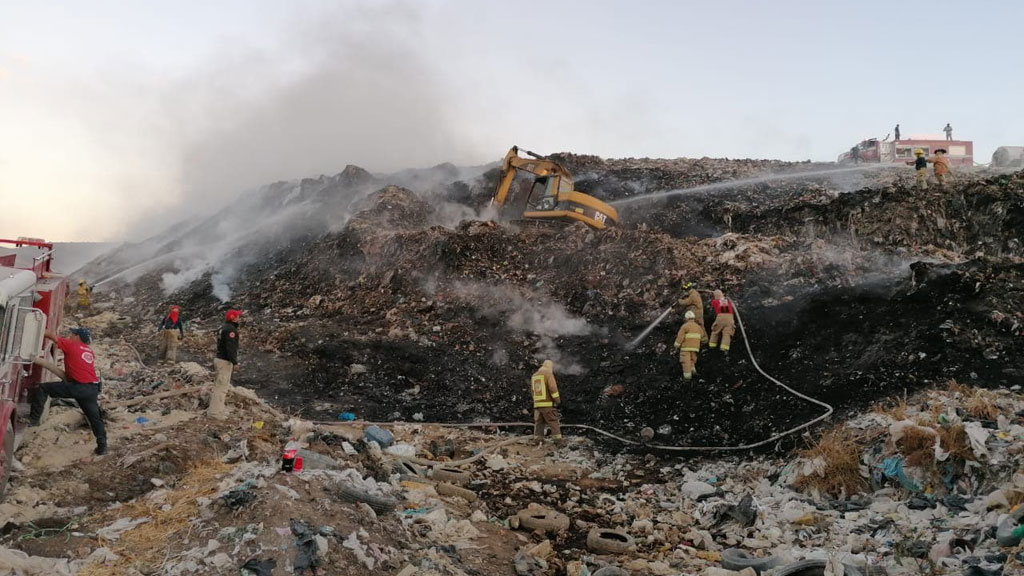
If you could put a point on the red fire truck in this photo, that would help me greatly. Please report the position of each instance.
(875, 151)
(31, 301)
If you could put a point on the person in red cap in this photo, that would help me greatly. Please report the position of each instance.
(80, 383)
(225, 363)
(172, 331)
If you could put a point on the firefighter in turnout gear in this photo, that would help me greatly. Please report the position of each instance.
(691, 334)
(920, 164)
(692, 302)
(225, 363)
(545, 400)
(725, 325)
(84, 294)
(941, 167)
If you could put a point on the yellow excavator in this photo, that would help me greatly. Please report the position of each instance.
(546, 193)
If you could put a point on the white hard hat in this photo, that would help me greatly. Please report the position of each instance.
(690, 315)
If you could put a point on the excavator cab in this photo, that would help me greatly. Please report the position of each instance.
(545, 193)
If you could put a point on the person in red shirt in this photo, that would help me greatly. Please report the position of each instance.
(80, 383)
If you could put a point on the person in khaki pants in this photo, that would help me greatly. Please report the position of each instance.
(545, 399)
(172, 331)
(225, 363)
(688, 341)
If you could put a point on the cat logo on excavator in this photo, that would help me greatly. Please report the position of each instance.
(546, 193)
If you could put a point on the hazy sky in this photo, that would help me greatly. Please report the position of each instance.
(119, 117)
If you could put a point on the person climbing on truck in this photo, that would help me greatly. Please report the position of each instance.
(80, 383)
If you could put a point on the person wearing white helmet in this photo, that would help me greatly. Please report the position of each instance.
(688, 340)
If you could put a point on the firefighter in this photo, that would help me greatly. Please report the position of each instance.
(692, 302)
(724, 326)
(920, 164)
(80, 382)
(172, 331)
(949, 132)
(941, 167)
(545, 401)
(688, 340)
(225, 363)
(84, 294)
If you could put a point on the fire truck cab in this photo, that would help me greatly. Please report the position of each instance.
(31, 301)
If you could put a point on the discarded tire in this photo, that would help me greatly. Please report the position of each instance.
(406, 467)
(379, 504)
(736, 559)
(543, 520)
(811, 568)
(611, 571)
(605, 541)
(451, 476)
(445, 489)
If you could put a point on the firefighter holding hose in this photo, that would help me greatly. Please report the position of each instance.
(84, 295)
(920, 164)
(724, 326)
(692, 302)
(688, 340)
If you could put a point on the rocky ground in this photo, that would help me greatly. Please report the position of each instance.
(925, 484)
(396, 298)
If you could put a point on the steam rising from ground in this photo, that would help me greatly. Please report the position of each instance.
(530, 314)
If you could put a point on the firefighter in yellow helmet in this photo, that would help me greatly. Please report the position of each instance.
(920, 164)
(941, 166)
(84, 294)
(688, 340)
(545, 400)
(692, 302)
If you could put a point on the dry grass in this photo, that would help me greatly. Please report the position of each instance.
(955, 441)
(146, 547)
(841, 453)
(896, 410)
(958, 388)
(917, 446)
(982, 405)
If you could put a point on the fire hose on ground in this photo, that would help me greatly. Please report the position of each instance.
(775, 437)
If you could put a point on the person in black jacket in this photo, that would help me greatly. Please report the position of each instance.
(225, 363)
(172, 331)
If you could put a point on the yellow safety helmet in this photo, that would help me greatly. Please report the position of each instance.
(918, 152)
(687, 285)
(81, 280)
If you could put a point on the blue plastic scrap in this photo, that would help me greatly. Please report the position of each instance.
(892, 467)
(346, 416)
(378, 435)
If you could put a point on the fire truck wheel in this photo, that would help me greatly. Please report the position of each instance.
(380, 505)
(6, 459)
